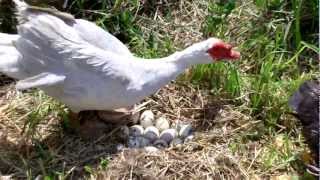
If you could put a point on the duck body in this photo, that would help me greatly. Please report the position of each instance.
(90, 78)
(83, 90)
(85, 67)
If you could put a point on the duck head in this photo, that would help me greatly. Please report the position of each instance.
(219, 50)
(208, 51)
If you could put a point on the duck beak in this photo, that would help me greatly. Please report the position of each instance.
(234, 54)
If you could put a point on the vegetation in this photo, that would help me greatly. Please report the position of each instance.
(278, 40)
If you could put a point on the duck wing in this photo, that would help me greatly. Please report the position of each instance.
(88, 31)
(100, 38)
(57, 46)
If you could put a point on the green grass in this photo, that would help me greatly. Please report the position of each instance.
(278, 54)
(274, 71)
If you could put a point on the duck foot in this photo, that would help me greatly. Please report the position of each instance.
(87, 125)
(93, 124)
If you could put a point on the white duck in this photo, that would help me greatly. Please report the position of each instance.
(87, 68)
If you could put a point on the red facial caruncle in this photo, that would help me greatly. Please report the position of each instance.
(221, 50)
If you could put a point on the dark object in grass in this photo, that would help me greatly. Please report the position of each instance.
(305, 102)
(7, 19)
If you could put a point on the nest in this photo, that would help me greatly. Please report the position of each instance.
(206, 156)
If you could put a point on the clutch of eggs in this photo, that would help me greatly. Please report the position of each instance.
(158, 133)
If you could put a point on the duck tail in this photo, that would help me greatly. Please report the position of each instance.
(9, 56)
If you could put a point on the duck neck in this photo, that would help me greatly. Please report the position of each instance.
(190, 56)
(156, 73)
(160, 71)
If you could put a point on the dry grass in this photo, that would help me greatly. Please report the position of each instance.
(228, 144)
(54, 150)
(182, 26)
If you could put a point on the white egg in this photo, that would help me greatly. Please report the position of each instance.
(176, 142)
(147, 119)
(168, 135)
(138, 142)
(136, 130)
(162, 124)
(189, 138)
(120, 147)
(144, 141)
(133, 142)
(124, 132)
(151, 133)
(151, 149)
(185, 130)
(159, 143)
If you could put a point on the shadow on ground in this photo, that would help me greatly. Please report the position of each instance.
(60, 153)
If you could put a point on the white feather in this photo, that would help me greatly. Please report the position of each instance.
(83, 66)
(40, 80)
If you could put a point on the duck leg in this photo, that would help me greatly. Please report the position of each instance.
(87, 124)
(119, 116)
(73, 120)
(93, 124)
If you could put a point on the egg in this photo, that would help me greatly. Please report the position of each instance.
(185, 130)
(159, 143)
(176, 142)
(144, 141)
(151, 149)
(133, 142)
(162, 124)
(138, 142)
(124, 132)
(120, 147)
(147, 119)
(168, 135)
(176, 125)
(151, 133)
(189, 138)
(136, 130)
